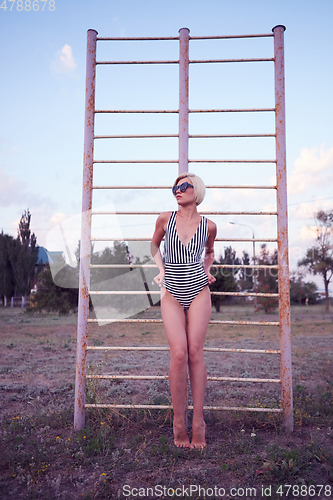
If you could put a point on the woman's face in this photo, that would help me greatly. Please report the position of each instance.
(188, 196)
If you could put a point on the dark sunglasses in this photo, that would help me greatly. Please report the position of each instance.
(182, 187)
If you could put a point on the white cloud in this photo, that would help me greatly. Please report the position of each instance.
(58, 218)
(64, 61)
(308, 210)
(308, 233)
(313, 168)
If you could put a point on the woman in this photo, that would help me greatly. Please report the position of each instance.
(185, 296)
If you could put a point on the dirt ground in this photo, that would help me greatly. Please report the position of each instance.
(37, 367)
(38, 356)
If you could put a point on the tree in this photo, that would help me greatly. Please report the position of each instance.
(319, 258)
(52, 298)
(26, 256)
(18, 258)
(267, 279)
(8, 248)
(300, 290)
(225, 277)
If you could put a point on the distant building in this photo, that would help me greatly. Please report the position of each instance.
(47, 257)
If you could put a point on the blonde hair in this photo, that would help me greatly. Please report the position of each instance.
(199, 187)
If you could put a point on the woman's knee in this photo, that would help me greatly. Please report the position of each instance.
(179, 356)
(195, 354)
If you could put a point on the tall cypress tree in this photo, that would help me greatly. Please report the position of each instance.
(25, 258)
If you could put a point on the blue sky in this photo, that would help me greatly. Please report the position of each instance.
(42, 108)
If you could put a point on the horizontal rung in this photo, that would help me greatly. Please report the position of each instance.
(232, 161)
(211, 186)
(115, 320)
(240, 240)
(164, 38)
(135, 161)
(104, 212)
(157, 292)
(245, 294)
(144, 266)
(122, 266)
(228, 136)
(206, 349)
(192, 61)
(124, 292)
(193, 136)
(195, 61)
(212, 322)
(190, 161)
(228, 110)
(129, 377)
(167, 407)
(270, 240)
(133, 136)
(242, 266)
(227, 37)
(122, 348)
(138, 62)
(166, 377)
(140, 39)
(137, 111)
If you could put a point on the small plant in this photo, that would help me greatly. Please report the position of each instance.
(97, 342)
(162, 447)
(285, 464)
(312, 407)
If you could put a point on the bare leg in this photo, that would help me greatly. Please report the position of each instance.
(198, 320)
(174, 321)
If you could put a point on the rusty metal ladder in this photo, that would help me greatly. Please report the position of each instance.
(282, 230)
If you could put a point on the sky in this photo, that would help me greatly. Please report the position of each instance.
(43, 58)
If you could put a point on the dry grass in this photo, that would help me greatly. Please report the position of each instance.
(43, 458)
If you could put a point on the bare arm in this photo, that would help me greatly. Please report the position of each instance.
(209, 250)
(155, 245)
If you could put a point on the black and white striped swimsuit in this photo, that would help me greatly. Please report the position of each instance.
(184, 275)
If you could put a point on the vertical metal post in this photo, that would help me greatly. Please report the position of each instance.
(184, 35)
(255, 271)
(282, 229)
(183, 98)
(85, 245)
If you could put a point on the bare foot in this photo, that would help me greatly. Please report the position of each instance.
(198, 436)
(180, 436)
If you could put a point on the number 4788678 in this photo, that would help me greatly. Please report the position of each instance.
(27, 5)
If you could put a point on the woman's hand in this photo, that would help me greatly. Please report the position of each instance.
(159, 278)
(211, 279)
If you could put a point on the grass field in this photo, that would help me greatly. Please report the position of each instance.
(130, 454)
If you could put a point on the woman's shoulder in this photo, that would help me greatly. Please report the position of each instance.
(163, 219)
(164, 216)
(212, 227)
